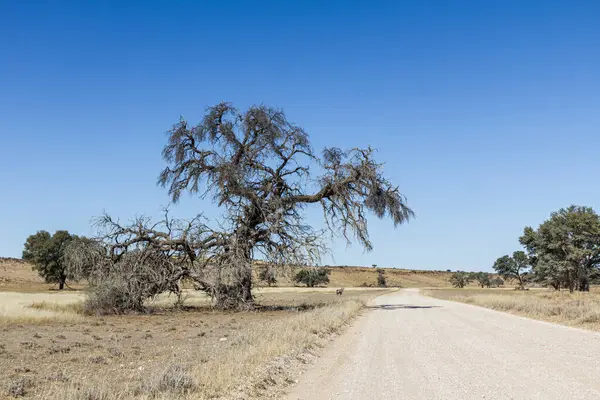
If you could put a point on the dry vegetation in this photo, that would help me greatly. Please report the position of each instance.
(49, 349)
(23, 308)
(356, 276)
(16, 275)
(573, 309)
(54, 352)
(350, 276)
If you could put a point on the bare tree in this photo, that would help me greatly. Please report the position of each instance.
(259, 168)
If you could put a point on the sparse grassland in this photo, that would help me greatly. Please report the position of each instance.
(55, 352)
(17, 275)
(573, 309)
(350, 276)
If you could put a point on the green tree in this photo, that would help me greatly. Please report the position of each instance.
(483, 279)
(460, 279)
(565, 249)
(313, 276)
(46, 252)
(515, 267)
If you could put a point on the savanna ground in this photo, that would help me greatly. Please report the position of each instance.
(574, 309)
(49, 349)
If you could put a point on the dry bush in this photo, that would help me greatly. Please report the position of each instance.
(109, 297)
(175, 379)
(124, 282)
(19, 387)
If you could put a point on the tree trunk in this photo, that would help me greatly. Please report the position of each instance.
(247, 287)
(61, 284)
(521, 286)
(584, 285)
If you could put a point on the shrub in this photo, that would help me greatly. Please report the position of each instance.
(268, 275)
(460, 279)
(18, 387)
(111, 296)
(482, 278)
(381, 280)
(497, 282)
(174, 380)
(121, 284)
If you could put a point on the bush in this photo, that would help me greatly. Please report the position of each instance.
(460, 279)
(381, 280)
(111, 296)
(18, 387)
(174, 380)
(313, 276)
(124, 283)
(482, 278)
(497, 282)
(268, 275)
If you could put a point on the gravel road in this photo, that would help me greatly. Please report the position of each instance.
(415, 347)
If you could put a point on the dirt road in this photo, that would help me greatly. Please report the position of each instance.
(416, 347)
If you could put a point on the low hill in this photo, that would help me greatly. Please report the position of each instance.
(349, 276)
(361, 276)
(16, 273)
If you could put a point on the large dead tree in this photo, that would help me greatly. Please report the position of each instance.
(262, 172)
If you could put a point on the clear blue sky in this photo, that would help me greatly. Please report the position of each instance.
(486, 113)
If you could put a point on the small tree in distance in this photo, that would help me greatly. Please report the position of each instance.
(460, 279)
(496, 282)
(313, 276)
(514, 267)
(46, 252)
(268, 275)
(483, 279)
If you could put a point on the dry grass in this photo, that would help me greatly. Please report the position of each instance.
(573, 309)
(189, 353)
(356, 277)
(16, 274)
(26, 308)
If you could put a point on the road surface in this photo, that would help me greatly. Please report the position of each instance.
(415, 347)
